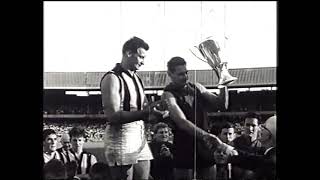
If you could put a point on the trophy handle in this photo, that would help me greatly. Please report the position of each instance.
(208, 52)
(195, 54)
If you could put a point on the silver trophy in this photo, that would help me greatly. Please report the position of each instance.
(208, 51)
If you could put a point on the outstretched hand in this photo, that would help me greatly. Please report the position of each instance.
(211, 141)
(155, 110)
(214, 143)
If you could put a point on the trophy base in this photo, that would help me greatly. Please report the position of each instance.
(227, 81)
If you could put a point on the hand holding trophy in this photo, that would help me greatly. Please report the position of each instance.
(208, 51)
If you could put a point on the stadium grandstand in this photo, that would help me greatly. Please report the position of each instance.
(77, 94)
(74, 98)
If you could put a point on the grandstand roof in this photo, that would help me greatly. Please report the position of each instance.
(247, 77)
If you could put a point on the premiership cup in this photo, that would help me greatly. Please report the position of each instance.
(208, 51)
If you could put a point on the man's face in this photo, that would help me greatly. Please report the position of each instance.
(136, 60)
(251, 128)
(66, 145)
(220, 157)
(227, 135)
(77, 143)
(179, 76)
(50, 143)
(162, 135)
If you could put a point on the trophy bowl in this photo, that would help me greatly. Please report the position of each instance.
(208, 52)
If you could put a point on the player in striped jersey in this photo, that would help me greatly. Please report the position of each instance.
(50, 145)
(83, 158)
(123, 99)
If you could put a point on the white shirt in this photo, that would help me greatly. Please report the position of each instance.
(47, 157)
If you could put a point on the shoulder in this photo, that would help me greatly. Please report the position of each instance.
(109, 80)
(169, 97)
(109, 76)
(58, 154)
(167, 94)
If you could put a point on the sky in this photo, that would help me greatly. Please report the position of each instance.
(83, 36)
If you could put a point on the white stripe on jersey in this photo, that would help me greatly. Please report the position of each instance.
(132, 91)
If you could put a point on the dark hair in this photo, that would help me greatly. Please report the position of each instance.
(133, 44)
(47, 132)
(251, 115)
(159, 125)
(100, 171)
(225, 125)
(77, 132)
(175, 61)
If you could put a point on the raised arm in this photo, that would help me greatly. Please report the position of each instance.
(215, 101)
(111, 100)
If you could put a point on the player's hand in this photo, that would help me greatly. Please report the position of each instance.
(229, 150)
(148, 107)
(155, 111)
(211, 141)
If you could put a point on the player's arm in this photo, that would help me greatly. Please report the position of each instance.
(177, 115)
(111, 100)
(215, 101)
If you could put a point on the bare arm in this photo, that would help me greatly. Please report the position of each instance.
(216, 102)
(111, 102)
(177, 115)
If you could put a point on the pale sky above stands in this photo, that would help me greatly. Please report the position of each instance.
(88, 36)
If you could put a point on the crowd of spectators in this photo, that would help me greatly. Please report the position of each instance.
(73, 109)
(241, 102)
(94, 131)
(162, 146)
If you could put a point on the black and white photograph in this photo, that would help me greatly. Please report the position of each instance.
(159, 90)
